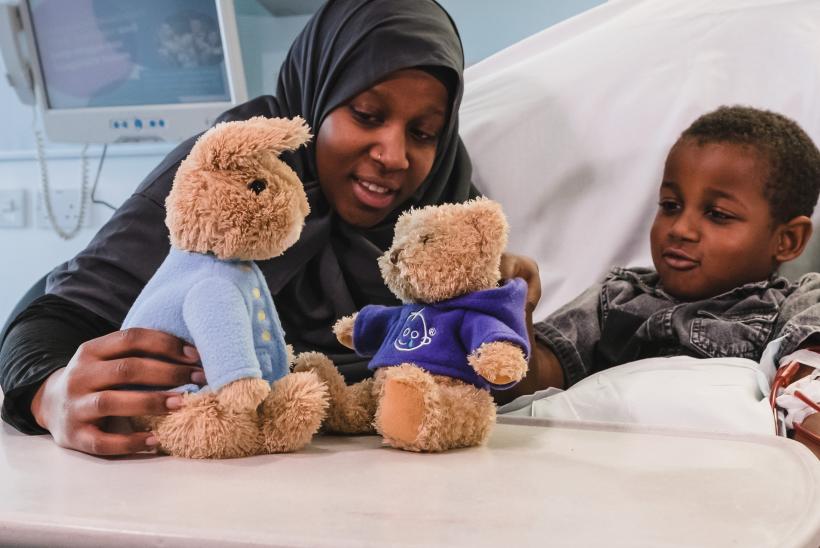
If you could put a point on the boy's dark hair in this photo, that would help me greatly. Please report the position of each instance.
(793, 182)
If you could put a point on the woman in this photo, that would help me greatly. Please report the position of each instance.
(380, 83)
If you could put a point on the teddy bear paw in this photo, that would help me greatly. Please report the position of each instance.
(203, 429)
(343, 329)
(351, 408)
(499, 362)
(292, 412)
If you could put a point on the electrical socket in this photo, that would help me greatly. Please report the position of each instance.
(13, 208)
(65, 203)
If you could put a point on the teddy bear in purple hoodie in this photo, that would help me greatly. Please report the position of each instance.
(459, 333)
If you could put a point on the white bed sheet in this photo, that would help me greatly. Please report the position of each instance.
(569, 128)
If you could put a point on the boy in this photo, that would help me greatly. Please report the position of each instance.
(738, 190)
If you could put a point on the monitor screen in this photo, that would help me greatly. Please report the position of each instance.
(150, 69)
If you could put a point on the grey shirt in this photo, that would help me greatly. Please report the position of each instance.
(629, 317)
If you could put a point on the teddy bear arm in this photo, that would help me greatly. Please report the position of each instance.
(499, 362)
(343, 329)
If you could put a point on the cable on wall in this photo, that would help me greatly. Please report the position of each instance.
(41, 160)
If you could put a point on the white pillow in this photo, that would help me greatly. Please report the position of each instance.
(569, 129)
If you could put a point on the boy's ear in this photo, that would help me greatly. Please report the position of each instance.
(793, 237)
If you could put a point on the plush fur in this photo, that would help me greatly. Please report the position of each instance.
(438, 253)
(205, 428)
(212, 209)
(208, 210)
(351, 408)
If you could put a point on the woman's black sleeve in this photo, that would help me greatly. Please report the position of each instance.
(42, 339)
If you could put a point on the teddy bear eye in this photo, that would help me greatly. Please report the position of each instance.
(257, 186)
(424, 238)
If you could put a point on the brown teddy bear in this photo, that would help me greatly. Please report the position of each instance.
(233, 202)
(458, 334)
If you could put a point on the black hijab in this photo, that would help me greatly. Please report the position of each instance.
(346, 47)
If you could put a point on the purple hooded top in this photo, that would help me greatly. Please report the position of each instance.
(438, 337)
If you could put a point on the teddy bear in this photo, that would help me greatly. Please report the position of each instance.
(457, 334)
(233, 201)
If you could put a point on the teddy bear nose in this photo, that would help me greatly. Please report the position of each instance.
(258, 186)
(394, 256)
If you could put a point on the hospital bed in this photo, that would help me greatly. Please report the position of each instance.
(569, 129)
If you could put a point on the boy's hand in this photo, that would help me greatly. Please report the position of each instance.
(542, 365)
(543, 372)
(812, 424)
(74, 402)
(520, 266)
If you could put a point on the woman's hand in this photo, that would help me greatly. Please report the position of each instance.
(74, 403)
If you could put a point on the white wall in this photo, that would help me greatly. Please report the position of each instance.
(486, 26)
(30, 252)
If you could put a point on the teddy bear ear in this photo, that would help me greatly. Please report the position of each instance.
(279, 134)
(490, 222)
(229, 144)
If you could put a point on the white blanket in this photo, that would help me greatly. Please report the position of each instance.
(710, 395)
(727, 395)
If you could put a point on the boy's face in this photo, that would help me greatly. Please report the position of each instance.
(713, 230)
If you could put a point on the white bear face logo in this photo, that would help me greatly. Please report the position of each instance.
(414, 333)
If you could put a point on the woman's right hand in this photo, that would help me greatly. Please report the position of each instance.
(75, 402)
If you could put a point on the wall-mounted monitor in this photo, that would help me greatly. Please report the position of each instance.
(126, 70)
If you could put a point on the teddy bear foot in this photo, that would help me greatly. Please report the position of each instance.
(352, 408)
(293, 412)
(401, 414)
(423, 412)
(203, 429)
(243, 395)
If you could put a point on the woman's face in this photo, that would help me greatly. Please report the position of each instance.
(375, 149)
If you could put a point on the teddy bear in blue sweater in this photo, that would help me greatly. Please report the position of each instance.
(233, 202)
